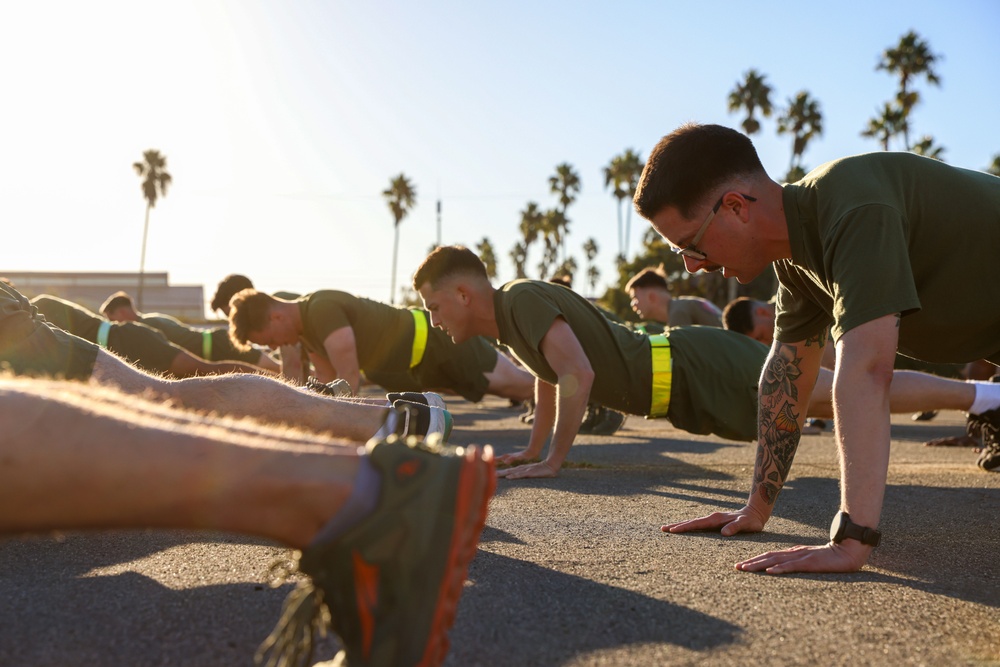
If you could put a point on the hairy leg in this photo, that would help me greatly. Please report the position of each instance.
(78, 456)
(510, 381)
(911, 391)
(244, 395)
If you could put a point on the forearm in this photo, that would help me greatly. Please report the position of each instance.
(784, 394)
(544, 418)
(573, 393)
(861, 397)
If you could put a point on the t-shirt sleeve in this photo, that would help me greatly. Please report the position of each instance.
(870, 269)
(533, 316)
(325, 317)
(867, 260)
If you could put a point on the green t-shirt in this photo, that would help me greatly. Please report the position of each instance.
(526, 309)
(31, 346)
(883, 233)
(135, 342)
(685, 311)
(383, 334)
(193, 340)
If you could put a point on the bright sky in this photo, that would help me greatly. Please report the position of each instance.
(282, 122)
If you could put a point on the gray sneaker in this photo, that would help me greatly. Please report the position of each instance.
(389, 587)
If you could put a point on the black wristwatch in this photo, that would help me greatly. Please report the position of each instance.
(843, 528)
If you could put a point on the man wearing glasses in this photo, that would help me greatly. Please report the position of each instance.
(882, 247)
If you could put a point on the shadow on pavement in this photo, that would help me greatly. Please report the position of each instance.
(556, 617)
(55, 613)
(941, 540)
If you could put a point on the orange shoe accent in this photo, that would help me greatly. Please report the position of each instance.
(476, 484)
(408, 469)
(366, 593)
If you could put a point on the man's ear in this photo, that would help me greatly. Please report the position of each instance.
(464, 294)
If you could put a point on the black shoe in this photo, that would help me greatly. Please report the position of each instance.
(338, 388)
(987, 424)
(529, 412)
(599, 420)
(609, 424)
(924, 416)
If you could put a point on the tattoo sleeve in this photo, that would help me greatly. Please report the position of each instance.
(778, 420)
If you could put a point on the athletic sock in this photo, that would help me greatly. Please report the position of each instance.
(361, 502)
(987, 397)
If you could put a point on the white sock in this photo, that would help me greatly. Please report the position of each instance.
(389, 426)
(987, 397)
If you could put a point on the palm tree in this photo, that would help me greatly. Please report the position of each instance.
(884, 126)
(153, 171)
(631, 165)
(908, 60)
(553, 225)
(804, 121)
(927, 148)
(401, 196)
(488, 257)
(565, 183)
(753, 93)
(519, 255)
(593, 273)
(530, 226)
(614, 177)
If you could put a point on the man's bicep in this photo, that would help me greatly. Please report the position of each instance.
(562, 349)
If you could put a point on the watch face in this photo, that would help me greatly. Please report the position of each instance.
(838, 527)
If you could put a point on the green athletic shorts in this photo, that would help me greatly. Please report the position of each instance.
(30, 346)
(714, 386)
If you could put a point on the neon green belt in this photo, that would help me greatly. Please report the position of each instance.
(206, 345)
(659, 400)
(419, 337)
(102, 334)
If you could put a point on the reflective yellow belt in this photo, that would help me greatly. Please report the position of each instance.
(419, 337)
(663, 374)
(102, 334)
(206, 345)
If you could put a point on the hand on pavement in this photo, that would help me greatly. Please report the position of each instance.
(541, 469)
(848, 556)
(515, 457)
(746, 520)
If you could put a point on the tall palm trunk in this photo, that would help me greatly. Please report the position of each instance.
(142, 260)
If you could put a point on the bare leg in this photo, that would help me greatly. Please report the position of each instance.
(510, 381)
(245, 395)
(77, 456)
(911, 391)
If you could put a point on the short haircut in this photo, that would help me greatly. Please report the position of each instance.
(563, 279)
(651, 276)
(248, 313)
(116, 301)
(446, 261)
(738, 315)
(229, 286)
(689, 163)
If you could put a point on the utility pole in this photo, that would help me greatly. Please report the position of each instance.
(439, 221)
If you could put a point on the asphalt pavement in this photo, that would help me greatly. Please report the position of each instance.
(574, 570)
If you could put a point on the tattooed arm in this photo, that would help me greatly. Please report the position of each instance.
(865, 357)
(785, 388)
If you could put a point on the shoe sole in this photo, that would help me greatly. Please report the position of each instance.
(476, 484)
(428, 398)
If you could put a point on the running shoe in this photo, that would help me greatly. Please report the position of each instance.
(390, 586)
(425, 422)
(428, 398)
(988, 425)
